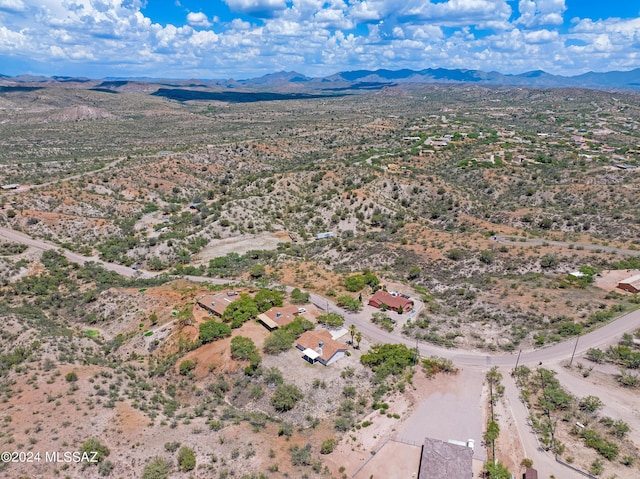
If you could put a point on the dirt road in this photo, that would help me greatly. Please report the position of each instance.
(563, 244)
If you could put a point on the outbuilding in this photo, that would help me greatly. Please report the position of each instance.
(631, 285)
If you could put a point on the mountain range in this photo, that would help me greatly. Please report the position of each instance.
(365, 80)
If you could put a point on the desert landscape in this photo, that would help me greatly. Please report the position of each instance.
(309, 286)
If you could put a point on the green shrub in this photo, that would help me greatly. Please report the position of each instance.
(213, 330)
(186, 459)
(156, 468)
(93, 445)
(285, 397)
(278, 341)
(186, 366)
(328, 446)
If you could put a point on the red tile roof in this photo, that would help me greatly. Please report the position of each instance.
(381, 297)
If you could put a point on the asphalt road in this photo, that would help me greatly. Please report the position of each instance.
(476, 362)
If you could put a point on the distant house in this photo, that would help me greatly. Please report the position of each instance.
(396, 302)
(631, 285)
(319, 347)
(276, 317)
(440, 460)
(328, 234)
(216, 303)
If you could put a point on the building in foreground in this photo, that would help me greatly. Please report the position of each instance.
(319, 347)
(444, 460)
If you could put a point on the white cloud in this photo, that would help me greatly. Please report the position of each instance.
(198, 19)
(541, 36)
(258, 8)
(457, 12)
(12, 5)
(535, 13)
(315, 37)
(369, 10)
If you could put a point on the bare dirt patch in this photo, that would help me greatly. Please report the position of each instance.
(240, 245)
(609, 279)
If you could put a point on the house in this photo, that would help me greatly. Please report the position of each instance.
(530, 473)
(441, 460)
(216, 303)
(276, 317)
(318, 346)
(631, 285)
(394, 301)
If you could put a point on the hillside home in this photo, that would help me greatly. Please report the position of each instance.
(395, 302)
(277, 317)
(216, 303)
(319, 347)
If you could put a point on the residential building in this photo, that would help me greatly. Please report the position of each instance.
(394, 301)
(277, 317)
(216, 303)
(319, 346)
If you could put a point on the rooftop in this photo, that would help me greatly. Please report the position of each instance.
(217, 303)
(279, 316)
(312, 339)
(381, 297)
(633, 280)
(445, 460)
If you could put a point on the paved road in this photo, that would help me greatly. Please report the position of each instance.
(476, 362)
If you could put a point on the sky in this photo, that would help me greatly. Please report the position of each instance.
(249, 38)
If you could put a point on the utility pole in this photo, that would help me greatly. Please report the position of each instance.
(517, 361)
(493, 441)
(548, 412)
(574, 351)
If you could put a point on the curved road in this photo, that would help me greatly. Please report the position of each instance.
(478, 362)
(598, 338)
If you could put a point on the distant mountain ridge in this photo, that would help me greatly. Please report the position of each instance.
(629, 80)
(369, 80)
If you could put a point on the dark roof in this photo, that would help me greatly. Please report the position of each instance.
(443, 460)
(216, 303)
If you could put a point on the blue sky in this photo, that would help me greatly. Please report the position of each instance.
(248, 38)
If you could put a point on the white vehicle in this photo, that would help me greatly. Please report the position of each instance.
(302, 310)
